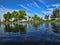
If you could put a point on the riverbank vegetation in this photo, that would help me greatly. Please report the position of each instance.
(54, 17)
(21, 16)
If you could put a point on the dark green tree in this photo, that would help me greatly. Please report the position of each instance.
(55, 14)
(7, 16)
(22, 14)
(15, 15)
(36, 17)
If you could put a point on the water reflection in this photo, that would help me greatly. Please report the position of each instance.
(15, 28)
(55, 27)
(31, 32)
(23, 28)
(47, 25)
(36, 25)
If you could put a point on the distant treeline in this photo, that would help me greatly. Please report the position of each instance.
(21, 14)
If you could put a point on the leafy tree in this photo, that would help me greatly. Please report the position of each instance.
(22, 14)
(55, 14)
(7, 16)
(15, 15)
(35, 17)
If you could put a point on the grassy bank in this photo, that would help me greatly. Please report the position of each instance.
(43, 21)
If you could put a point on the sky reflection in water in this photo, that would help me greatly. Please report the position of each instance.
(30, 32)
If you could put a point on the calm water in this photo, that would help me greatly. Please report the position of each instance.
(27, 33)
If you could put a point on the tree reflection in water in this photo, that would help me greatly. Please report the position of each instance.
(36, 25)
(15, 28)
(23, 28)
(47, 25)
(55, 27)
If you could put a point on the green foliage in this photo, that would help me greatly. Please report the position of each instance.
(7, 16)
(16, 15)
(55, 14)
(22, 14)
(35, 17)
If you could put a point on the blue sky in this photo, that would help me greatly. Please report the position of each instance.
(40, 7)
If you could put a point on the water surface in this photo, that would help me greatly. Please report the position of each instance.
(29, 32)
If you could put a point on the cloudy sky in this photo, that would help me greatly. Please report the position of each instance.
(40, 7)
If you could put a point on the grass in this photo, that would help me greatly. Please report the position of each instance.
(30, 21)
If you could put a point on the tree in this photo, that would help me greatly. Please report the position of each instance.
(7, 16)
(47, 17)
(15, 15)
(22, 14)
(55, 14)
(35, 17)
(19, 15)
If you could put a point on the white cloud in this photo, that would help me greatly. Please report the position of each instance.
(36, 4)
(28, 13)
(50, 9)
(29, 4)
(5, 10)
(43, 3)
(56, 5)
(25, 7)
(47, 12)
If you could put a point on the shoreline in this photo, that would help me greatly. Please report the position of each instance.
(29, 22)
